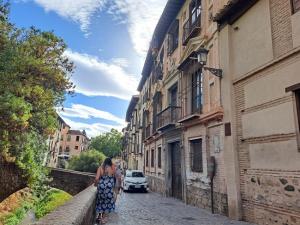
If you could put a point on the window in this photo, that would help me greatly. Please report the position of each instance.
(147, 158)
(77, 138)
(67, 149)
(173, 37)
(152, 158)
(62, 137)
(296, 5)
(173, 95)
(196, 155)
(157, 107)
(159, 157)
(197, 90)
(76, 147)
(60, 149)
(69, 138)
(195, 10)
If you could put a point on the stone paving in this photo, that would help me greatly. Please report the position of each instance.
(153, 209)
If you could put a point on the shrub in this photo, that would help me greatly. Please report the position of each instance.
(87, 161)
(53, 199)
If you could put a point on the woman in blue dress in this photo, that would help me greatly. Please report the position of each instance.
(105, 182)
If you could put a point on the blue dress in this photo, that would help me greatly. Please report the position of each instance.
(105, 195)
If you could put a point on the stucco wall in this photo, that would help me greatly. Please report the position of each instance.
(267, 145)
(252, 40)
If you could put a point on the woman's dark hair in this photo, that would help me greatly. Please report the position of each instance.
(107, 162)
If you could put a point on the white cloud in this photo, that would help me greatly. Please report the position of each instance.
(79, 11)
(140, 16)
(94, 77)
(86, 112)
(92, 129)
(122, 62)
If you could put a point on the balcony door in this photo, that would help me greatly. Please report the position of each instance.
(173, 102)
(197, 89)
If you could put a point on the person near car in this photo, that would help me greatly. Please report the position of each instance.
(118, 180)
(105, 183)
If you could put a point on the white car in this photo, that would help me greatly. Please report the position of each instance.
(135, 180)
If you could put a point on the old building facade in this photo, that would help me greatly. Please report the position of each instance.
(72, 143)
(132, 152)
(51, 158)
(259, 43)
(236, 113)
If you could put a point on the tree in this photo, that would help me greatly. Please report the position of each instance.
(109, 143)
(88, 161)
(34, 78)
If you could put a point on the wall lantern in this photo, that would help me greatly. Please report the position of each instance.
(202, 59)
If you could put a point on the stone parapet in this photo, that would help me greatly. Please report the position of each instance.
(71, 181)
(78, 211)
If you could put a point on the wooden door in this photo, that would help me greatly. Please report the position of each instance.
(176, 170)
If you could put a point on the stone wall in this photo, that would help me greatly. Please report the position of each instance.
(78, 211)
(202, 198)
(11, 179)
(71, 181)
(156, 184)
(269, 192)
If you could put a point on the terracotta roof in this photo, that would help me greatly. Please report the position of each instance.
(169, 14)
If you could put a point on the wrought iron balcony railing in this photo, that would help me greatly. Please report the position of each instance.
(192, 26)
(168, 117)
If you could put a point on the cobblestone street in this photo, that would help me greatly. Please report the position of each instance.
(153, 209)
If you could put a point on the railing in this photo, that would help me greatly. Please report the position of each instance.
(191, 99)
(168, 116)
(191, 26)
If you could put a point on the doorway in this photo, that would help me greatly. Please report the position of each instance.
(176, 170)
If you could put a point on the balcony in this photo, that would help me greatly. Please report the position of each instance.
(168, 117)
(192, 26)
(146, 132)
(191, 99)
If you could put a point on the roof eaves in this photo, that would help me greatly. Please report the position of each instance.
(169, 14)
(233, 10)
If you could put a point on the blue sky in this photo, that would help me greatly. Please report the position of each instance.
(107, 40)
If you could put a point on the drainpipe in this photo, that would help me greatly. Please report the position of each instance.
(211, 174)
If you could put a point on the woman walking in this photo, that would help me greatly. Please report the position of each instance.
(105, 182)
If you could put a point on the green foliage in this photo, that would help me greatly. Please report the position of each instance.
(109, 143)
(87, 161)
(18, 215)
(34, 78)
(53, 199)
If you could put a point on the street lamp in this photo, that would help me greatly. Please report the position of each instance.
(202, 59)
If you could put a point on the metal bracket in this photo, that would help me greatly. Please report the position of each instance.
(216, 72)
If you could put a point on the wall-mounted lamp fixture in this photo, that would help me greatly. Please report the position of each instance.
(202, 59)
